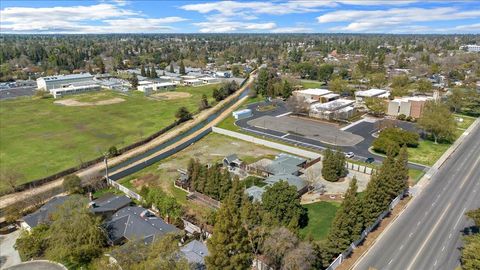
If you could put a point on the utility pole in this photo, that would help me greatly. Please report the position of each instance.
(106, 165)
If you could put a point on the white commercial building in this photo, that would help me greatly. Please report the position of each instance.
(471, 48)
(312, 95)
(60, 81)
(147, 86)
(209, 80)
(339, 109)
(193, 82)
(74, 89)
(360, 96)
(223, 74)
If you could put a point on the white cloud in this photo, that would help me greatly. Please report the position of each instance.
(99, 18)
(385, 20)
(233, 26)
(292, 30)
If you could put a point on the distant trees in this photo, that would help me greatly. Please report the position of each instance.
(212, 181)
(182, 68)
(282, 206)
(134, 81)
(171, 68)
(324, 72)
(142, 71)
(438, 121)
(392, 138)
(98, 61)
(203, 103)
(376, 106)
(333, 165)
(183, 114)
(424, 86)
(225, 90)
(72, 184)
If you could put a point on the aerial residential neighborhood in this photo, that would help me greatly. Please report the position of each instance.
(239, 135)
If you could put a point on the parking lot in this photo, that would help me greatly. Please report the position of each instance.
(318, 135)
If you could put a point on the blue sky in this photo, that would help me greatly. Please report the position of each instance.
(295, 16)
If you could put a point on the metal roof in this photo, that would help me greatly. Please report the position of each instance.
(370, 93)
(67, 77)
(314, 91)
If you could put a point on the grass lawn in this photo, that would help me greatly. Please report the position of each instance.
(427, 152)
(253, 181)
(39, 138)
(311, 84)
(415, 175)
(320, 217)
(467, 121)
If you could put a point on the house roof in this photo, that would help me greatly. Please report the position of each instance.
(233, 158)
(292, 180)
(314, 91)
(370, 93)
(109, 203)
(255, 193)
(137, 223)
(285, 164)
(195, 252)
(43, 214)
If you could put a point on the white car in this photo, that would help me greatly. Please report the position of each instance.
(349, 155)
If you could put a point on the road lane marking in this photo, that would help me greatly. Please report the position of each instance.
(285, 135)
(429, 236)
(418, 223)
(459, 218)
(390, 262)
(443, 248)
(401, 247)
(450, 236)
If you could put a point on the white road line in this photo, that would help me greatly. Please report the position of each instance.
(418, 223)
(443, 248)
(429, 236)
(285, 135)
(285, 114)
(450, 236)
(401, 247)
(390, 262)
(459, 218)
(410, 235)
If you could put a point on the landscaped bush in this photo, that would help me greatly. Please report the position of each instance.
(401, 116)
(391, 139)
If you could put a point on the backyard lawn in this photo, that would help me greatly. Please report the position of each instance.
(39, 138)
(320, 217)
(311, 84)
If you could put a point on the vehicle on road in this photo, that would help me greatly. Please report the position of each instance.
(369, 160)
(349, 155)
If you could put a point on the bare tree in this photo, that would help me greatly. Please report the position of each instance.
(298, 105)
(300, 258)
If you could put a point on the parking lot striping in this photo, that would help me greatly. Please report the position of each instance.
(285, 135)
(285, 114)
(352, 124)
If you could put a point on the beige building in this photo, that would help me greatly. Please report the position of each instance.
(408, 106)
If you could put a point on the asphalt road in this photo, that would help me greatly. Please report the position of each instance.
(17, 92)
(428, 234)
(363, 129)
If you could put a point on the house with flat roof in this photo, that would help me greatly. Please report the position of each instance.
(209, 80)
(193, 82)
(74, 89)
(43, 215)
(242, 114)
(195, 253)
(136, 223)
(360, 96)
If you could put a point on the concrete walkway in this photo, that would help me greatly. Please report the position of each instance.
(8, 254)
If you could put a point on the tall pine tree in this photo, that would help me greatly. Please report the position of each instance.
(229, 246)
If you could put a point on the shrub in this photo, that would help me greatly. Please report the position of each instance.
(391, 139)
(401, 117)
(72, 184)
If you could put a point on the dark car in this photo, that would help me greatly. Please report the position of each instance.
(369, 160)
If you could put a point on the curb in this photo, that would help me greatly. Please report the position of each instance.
(420, 185)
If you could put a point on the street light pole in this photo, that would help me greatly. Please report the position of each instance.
(106, 166)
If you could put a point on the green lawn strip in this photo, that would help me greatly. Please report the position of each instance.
(427, 152)
(310, 84)
(415, 175)
(99, 193)
(39, 138)
(467, 121)
(320, 217)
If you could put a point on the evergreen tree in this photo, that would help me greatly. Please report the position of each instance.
(348, 223)
(375, 200)
(401, 170)
(182, 68)
(171, 68)
(333, 165)
(153, 73)
(229, 245)
(204, 103)
(142, 71)
(281, 205)
(287, 89)
(148, 73)
(134, 81)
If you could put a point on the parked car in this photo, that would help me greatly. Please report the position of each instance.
(349, 155)
(369, 160)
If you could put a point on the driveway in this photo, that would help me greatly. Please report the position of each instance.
(8, 254)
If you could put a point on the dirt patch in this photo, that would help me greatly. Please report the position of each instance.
(75, 103)
(171, 95)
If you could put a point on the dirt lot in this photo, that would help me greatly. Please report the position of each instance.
(313, 130)
(171, 95)
(76, 103)
(213, 148)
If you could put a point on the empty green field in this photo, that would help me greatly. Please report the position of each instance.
(39, 138)
(320, 217)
